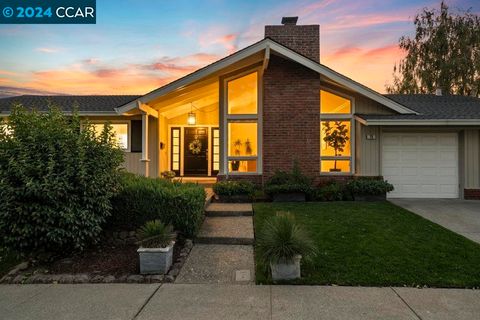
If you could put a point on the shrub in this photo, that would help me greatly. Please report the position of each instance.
(369, 186)
(231, 188)
(156, 234)
(330, 192)
(142, 199)
(56, 181)
(288, 182)
(282, 238)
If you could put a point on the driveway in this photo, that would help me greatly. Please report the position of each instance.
(460, 216)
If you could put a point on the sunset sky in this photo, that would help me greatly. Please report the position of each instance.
(139, 45)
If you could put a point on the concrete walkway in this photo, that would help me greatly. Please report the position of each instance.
(207, 301)
(223, 250)
(460, 216)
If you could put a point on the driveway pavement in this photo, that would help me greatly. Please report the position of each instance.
(460, 216)
(214, 301)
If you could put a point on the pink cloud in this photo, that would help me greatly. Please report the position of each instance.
(47, 50)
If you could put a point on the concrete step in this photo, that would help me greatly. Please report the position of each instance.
(217, 209)
(226, 230)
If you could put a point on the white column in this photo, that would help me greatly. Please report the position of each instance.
(145, 156)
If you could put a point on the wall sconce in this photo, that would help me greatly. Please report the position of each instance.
(192, 118)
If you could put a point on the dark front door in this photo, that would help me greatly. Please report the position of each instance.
(196, 152)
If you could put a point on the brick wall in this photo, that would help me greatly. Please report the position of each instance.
(302, 39)
(291, 118)
(471, 194)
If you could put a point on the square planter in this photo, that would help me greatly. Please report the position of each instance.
(370, 197)
(286, 270)
(236, 198)
(155, 260)
(289, 197)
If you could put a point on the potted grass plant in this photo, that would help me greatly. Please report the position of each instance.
(282, 244)
(156, 247)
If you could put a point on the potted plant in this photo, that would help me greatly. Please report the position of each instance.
(237, 144)
(336, 137)
(156, 247)
(369, 189)
(169, 175)
(234, 191)
(282, 243)
(288, 186)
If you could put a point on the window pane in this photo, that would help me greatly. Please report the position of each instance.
(119, 129)
(242, 139)
(332, 103)
(242, 95)
(335, 165)
(242, 166)
(335, 137)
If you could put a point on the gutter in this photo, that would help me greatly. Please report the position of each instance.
(419, 122)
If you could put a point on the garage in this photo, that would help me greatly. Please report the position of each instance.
(421, 165)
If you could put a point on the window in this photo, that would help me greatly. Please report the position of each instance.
(215, 150)
(120, 130)
(242, 123)
(335, 133)
(175, 155)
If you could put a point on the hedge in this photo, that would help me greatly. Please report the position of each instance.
(143, 199)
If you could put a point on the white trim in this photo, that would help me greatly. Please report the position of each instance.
(127, 122)
(282, 50)
(419, 122)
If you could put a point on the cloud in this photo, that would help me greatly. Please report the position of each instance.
(217, 36)
(47, 50)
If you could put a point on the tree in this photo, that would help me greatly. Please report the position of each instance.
(336, 137)
(444, 54)
(56, 181)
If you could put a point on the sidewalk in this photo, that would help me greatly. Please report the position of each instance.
(210, 301)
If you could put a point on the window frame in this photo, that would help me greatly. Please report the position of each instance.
(339, 117)
(233, 118)
(129, 129)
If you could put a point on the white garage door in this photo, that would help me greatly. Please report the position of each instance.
(421, 165)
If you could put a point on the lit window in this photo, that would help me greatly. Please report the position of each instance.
(242, 95)
(120, 131)
(335, 133)
(242, 123)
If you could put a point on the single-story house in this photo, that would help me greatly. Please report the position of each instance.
(260, 109)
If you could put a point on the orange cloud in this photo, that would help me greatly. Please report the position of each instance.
(369, 66)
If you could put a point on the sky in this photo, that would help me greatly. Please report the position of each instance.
(139, 45)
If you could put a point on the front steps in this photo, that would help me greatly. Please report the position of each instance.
(229, 209)
(226, 230)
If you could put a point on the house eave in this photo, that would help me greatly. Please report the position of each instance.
(80, 113)
(420, 122)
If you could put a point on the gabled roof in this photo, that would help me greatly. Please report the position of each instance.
(87, 105)
(441, 110)
(268, 44)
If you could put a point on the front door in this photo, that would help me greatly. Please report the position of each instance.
(196, 152)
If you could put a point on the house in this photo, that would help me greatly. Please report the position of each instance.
(260, 109)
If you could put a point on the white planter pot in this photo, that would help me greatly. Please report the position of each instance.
(155, 260)
(286, 270)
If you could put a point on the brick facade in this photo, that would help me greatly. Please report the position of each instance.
(471, 194)
(302, 39)
(291, 117)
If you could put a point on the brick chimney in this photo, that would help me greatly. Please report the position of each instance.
(302, 39)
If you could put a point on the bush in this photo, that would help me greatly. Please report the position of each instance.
(142, 199)
(56, 181)
(282, 238)
(156, 234)
(330, 192)
(231, 188)
(369, 187)
(288, 182)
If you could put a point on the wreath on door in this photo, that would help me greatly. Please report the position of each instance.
(195, 146)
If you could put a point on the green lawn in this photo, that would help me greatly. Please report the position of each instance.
(377, 244)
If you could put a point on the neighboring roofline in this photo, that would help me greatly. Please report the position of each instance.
(419, 122)
(282, 50)
(80, 113)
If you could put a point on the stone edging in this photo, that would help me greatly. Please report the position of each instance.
(18, 276)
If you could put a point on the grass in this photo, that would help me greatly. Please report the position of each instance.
(377, 244)
(7, 261)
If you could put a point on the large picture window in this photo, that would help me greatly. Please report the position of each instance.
(242, 123)
(121, 132)
(335, 133)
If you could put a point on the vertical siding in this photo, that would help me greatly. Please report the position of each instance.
(368, 151)
(472, 158)
(132, 162)
(153, 146)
